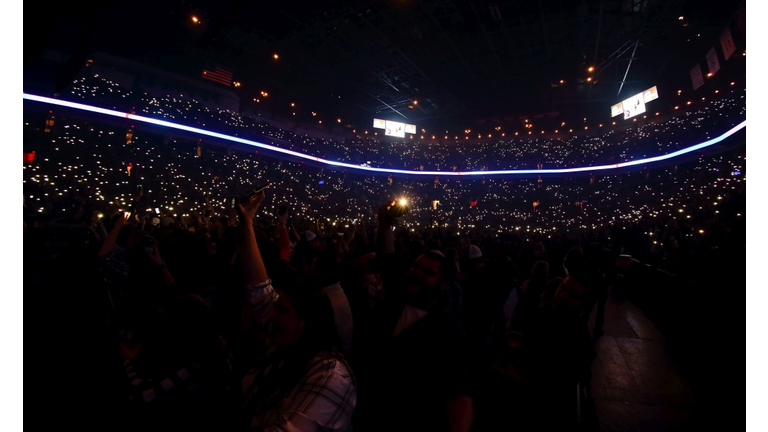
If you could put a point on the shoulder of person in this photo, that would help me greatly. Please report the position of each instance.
(330, 362)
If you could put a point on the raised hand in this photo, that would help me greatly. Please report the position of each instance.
(247, 210)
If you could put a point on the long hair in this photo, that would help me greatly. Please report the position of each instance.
(318, 335)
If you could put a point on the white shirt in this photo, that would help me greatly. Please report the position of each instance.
(410, 315)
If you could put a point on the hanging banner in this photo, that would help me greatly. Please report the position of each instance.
(726, 41)
(696, 77)
(741, 21)
(712, 62)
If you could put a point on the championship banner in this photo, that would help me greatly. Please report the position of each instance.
(712, 61)
(741, 21)
(696, 77)
(726, 41)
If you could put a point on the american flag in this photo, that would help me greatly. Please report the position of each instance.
(219, 75)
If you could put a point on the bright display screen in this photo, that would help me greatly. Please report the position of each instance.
(650, 94)
(633, 106)
(636, 104)
(379, 123)
(616, 110)
(395, 129)
(411, 129)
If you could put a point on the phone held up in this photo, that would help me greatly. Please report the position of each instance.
(398, 208)
(254, 192)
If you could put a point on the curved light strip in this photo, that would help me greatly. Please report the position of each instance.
(135, 117)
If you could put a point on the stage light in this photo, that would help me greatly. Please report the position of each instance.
(275, 56)
(590, 69)
(195, 20)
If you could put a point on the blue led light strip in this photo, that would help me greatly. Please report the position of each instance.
(135, 117)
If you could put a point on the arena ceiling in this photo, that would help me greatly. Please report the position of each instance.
(424, 62)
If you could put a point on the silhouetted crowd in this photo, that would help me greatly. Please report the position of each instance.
(226, 289)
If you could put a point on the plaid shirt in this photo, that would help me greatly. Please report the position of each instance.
(114, 269)
(191, 377)
(323, 399)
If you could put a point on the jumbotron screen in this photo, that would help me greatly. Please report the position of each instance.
(634, 105)
(395, 129)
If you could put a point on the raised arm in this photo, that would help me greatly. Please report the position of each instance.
(385, 239)
(255, 272)
(109, 243)
(260, 296)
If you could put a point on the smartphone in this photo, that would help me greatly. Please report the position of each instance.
(157, 210)
(139, 188)
(131, 211)
(281, 211)
(232, 202)
(255, 191)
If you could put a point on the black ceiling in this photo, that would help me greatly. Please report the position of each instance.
(459, 59)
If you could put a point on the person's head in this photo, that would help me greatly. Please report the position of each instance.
(301, 318)
(540, 273)
(452, 256)
(428, 271)
(471, 258)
